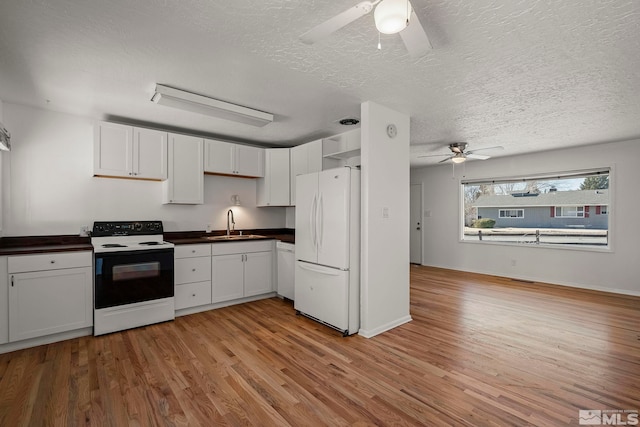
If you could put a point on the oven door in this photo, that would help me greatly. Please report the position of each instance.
(133, 276)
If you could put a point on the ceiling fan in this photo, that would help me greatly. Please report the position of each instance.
(390, 16)
(459, 155)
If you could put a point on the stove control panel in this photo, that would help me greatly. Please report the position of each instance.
(126, 228)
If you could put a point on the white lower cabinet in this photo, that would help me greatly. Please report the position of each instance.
(49, 293)
(241, 269)
(227, 275)
(219, 272)
(192, 268)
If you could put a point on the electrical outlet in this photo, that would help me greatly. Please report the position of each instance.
(513, 263)
(84, 230)
(209, 228)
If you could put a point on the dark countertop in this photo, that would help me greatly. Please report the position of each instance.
(41, 244)
(195, 237)
(70, 243)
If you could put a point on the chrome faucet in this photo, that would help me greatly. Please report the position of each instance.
(229, 230)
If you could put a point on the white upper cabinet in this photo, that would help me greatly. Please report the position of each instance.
(185, 181)
(305, 158)
(226, 158)
(130, 152)
(273, 189)
(342, 150)
(149, 154)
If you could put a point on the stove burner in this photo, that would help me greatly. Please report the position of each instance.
(113, 245)
(150, 243)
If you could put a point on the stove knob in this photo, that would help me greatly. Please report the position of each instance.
(137, 226)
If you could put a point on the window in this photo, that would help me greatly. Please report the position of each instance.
(570, 211)
(560, 210)
(511, 213)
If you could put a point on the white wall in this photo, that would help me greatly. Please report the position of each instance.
(385, 241)
(616, 271)
(49, 186)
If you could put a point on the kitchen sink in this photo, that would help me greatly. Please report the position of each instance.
(235, 237)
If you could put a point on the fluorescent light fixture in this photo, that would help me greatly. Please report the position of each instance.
(5, 138)
(195, 103)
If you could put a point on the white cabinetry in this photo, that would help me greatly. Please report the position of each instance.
(241, 269)
(4, 301)
(185, 181)
(273, 189)
(49, 293)
(129, 152)
(305, 158)
(226, 158)
(192, 275)
(341, 150)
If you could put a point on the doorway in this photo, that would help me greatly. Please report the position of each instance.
(415, 221)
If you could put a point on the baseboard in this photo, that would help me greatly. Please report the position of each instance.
(48, 339)
(207, 307)
(369, 333)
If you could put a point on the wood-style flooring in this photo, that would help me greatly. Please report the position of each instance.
(480, 351)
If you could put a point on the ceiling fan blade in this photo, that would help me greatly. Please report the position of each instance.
(414, 37)
(476, 156)
(325, 29)
(497, 147)
(435, 155)
(447, 159)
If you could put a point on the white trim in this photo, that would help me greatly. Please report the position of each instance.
(383, 328)
(47, 339)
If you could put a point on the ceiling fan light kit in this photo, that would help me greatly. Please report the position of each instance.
(460, 156)
(392, 16)
(187, 101)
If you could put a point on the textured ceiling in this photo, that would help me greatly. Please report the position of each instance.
(527, 75)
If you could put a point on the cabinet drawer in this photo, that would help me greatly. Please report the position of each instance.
(189, 270)
(193, 294)
(186, 251)
(227, 248)
(49, 261)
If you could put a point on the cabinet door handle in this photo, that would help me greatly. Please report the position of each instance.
(12, 281)
(53, 261)
(193, 269)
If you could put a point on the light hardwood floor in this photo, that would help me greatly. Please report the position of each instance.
(480, 351)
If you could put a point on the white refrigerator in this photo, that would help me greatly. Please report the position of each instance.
(327, 272)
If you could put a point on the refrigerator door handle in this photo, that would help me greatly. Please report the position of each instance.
(312, 221)
(318, 269)
(320, 220)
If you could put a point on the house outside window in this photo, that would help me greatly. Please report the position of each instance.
(569, 209)
(511, 213)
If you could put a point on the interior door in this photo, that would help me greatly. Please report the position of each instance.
(333, 217)
(306, 201)
(415, 221)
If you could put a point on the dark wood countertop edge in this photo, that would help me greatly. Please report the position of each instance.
(25, 245)
(199, 237)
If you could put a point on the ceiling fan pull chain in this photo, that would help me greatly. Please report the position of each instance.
(379, 45)
(408, 12)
